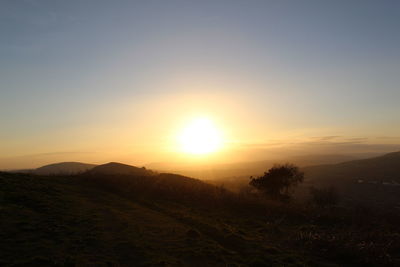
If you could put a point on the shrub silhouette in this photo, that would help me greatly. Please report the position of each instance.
(278, 180)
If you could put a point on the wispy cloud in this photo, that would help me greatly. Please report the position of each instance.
(56, 153)
(326, 138)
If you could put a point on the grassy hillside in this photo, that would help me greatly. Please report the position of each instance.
(171, 220)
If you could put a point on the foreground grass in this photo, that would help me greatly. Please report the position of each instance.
(108, 221)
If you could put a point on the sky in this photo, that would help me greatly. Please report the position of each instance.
(99, 81)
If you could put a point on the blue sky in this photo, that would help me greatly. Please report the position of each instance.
(74, 74)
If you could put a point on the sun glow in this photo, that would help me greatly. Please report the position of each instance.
(200, 136)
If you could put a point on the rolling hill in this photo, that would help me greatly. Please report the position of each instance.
(127, 220)
(63, 168)
(374, 182)
(384, 168)
(115, 168)
(120, 215)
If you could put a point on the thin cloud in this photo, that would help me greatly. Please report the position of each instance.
(326, 138)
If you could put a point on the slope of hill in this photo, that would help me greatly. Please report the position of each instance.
(73, 221)
(171, 220)
(115, 168)
(372, 182)
(385, 168)
(63, 168)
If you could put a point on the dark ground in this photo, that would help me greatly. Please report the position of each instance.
(170, 221)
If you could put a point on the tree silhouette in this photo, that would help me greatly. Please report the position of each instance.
(278, 180)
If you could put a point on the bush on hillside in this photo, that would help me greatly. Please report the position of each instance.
(276, 183)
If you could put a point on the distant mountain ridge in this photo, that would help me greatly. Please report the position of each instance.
(384, 168)
(248, 168)
(73, 168)
(63, 168)
(115, 168)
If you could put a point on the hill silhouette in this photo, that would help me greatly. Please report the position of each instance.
(372, 182)
(63, 168)
(221, 171)
(115, 168)
(122, 220)
(384, 168)
(121, 215)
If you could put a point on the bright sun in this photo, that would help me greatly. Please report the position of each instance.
(200, 136)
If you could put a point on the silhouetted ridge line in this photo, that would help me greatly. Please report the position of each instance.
(385, 168)
(64, 168)
(115, 168)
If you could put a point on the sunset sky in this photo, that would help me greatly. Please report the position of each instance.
(99, 81)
